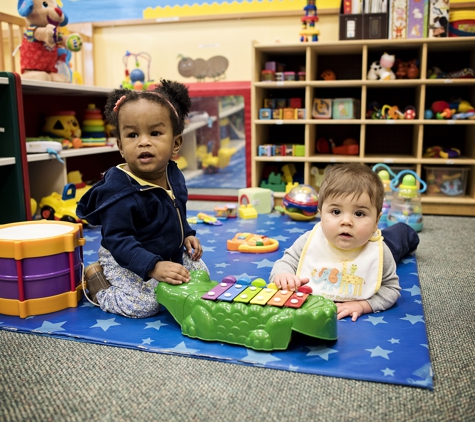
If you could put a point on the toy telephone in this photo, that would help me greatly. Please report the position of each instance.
(252, 243)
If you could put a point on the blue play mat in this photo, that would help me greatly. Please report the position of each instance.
(389, 347)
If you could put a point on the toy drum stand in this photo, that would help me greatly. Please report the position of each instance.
(40, 267)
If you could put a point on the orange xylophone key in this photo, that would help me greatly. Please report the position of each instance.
(280, 298)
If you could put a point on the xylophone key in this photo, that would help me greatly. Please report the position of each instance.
(247, 294)
(216, 291)
(280, 298)
(232, 292)
(263, 296)
(296, 300)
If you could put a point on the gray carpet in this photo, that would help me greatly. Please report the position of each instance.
(47, 379)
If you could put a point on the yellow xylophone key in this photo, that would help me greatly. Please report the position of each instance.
(247, 294)
(280, 298)
(263, 296)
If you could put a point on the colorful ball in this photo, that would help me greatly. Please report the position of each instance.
(74, 43)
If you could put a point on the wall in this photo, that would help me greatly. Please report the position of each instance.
(231, 38)
(164, 42)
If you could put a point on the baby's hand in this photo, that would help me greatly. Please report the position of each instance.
(289, 281)
(170, 272)
(354, 308)
(193, 248)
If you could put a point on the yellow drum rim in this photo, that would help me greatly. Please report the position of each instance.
(19, 249)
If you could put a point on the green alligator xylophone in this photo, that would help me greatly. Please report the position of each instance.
(213, 311)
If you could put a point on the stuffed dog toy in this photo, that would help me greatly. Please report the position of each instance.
(42, 39)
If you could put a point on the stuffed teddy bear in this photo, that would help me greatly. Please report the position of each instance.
(41, 41)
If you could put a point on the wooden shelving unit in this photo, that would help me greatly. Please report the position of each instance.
(400, 143)
(25, 103)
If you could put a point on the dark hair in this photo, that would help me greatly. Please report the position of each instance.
(170, 93)
(352, 179)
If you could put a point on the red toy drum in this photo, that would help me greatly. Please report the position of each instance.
(40, 267)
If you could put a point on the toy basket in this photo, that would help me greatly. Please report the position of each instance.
(462, 23)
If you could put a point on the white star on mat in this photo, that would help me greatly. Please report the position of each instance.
(87, 304)
(259, 358)
(208, 248)
(222, 265)
(417, 301)
(375, 320)
(261, 231)
(414, 290)
(388, 372)
(90, 238)
(49, 327)
(274, 215)
(203, 231)
(425, 345)
(105, 324)
(413, 319)
(293, 368)
(183, 349)
(232, 230)
(212, 241)
(321, 351)
(394, 340)
(296, 230)
(290, 223)
(155, 324)
(407, 260)
(219, 272)
(264, 263)
(147, 341)
(272, 223)
(90, 252)
(281, 238)
(379, 352)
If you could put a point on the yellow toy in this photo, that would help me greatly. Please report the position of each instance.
(41, 41)
(247, 212)
(210, 163)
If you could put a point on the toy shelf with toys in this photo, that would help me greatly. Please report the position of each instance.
(407, 103)
(33, 176)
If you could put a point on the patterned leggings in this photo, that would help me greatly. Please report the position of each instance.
(129, 295)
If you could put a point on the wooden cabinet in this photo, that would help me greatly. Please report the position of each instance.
(398, 143)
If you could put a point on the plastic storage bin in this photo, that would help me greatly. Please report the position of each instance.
(446, 180)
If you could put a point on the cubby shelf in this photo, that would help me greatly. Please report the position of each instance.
(398, 143)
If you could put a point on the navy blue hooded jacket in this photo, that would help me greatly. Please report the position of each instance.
(141, 225)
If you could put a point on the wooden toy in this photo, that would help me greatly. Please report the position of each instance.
(322, 108)
(40, 267)
(308, 31)
(249, 324)
(252, 243)
(345, 108)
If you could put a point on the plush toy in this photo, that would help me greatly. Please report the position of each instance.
(41, 41)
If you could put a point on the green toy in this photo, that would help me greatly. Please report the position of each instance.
(254, 326)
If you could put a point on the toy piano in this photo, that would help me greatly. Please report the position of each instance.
(254, 315)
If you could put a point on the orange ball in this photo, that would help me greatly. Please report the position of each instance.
(77, 142)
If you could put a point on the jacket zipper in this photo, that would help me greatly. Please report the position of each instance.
(175, 204)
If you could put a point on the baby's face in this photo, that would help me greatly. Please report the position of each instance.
(348, 222)
(146, 138)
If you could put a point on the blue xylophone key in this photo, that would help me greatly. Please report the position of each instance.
(232, 292)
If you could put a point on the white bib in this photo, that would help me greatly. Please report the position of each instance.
(342, 275)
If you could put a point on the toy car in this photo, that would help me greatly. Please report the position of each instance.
(61, 207)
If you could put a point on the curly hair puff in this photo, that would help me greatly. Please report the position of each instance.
(169, 91)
